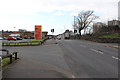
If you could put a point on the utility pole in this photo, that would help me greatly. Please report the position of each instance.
(75, 31)
(74, 22)
(74, 26)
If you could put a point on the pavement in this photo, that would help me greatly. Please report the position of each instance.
(44, 61)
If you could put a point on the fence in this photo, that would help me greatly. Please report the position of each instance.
(9, 55)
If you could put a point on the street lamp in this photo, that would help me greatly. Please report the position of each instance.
(75, 31)
(14, 31)
(14, 28)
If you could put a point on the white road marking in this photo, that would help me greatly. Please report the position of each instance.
(115, 46)
(115, 58)
(82, 46)
(97, 51)
(73, 76)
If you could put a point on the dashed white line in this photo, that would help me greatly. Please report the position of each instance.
(97, 51)
(73, 76)
(115, 58)
(82, 46)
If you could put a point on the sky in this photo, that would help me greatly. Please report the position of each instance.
(57, 14)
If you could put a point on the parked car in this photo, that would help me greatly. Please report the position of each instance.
(18, 38)
(5, 38)
(1, 38)
(31, 37)
(11, 38)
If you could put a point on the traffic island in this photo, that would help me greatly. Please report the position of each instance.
(26, 43)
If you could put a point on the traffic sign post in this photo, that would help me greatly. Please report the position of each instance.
(52, 30)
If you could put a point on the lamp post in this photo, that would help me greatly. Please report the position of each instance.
(14, 28)
(14, 31)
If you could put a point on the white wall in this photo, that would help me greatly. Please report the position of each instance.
(119, 10)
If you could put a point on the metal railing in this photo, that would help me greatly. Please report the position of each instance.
(9, 55)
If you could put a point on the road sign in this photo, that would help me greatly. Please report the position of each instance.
(52, 30)
(75, 31)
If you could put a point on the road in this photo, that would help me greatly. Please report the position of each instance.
(90, 60)
(68, 58)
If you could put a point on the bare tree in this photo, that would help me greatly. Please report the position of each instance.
(84, 19)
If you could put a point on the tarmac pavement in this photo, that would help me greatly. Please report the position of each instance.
(44, 61)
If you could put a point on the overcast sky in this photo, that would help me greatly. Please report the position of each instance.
(57, 14)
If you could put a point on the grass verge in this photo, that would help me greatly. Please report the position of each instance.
(110, 36)
(27, 43)
(5, 61)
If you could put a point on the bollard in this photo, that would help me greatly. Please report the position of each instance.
(15, 55)
(11, 59)
(7, 51)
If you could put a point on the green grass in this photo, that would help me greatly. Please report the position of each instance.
(110, 36)
(27, 43)
(5, 61)
(38, 40)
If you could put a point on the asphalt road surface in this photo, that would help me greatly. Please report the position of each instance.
(90, 60)
(68, 58)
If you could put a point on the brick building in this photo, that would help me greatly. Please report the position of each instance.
(26, 34)
(97, 26)
(114, 23)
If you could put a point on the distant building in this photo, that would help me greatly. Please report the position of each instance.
(27, 34)
(22, 30)
(114, 23)
(97, 26)
(119, 10)
(15, 35)
(71, 33)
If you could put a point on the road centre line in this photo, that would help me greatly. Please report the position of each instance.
(97, 51)
(115, 58)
